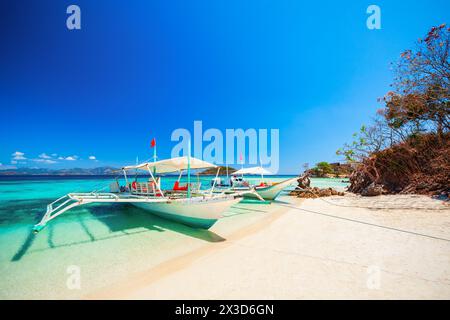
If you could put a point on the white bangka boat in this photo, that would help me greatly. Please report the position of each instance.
(187, 204)
(265, 190)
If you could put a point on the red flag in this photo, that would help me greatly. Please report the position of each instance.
(153, 143)
(240, 156)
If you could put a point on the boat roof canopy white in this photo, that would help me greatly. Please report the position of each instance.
(172, 165)
(253, 170)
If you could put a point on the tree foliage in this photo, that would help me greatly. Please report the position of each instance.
(323, 168)
(419, 103)
(421, 98)
(368, 140)
(407, 147)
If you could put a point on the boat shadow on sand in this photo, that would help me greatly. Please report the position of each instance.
(121, 219)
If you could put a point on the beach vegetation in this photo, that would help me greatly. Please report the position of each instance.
(406, 148)
(420, 101)
(323, 168)
(330, 170)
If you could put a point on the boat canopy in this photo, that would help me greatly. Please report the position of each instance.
(253, 170)
(172, 165)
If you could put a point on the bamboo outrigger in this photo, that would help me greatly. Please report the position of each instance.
(186, 204)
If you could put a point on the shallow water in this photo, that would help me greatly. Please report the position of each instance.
(106, 242)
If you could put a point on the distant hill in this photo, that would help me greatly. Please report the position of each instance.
(59, 172)
(88, 171)
(213, 171)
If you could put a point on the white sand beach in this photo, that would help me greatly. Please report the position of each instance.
(386, 247)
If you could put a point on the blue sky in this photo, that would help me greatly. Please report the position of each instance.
(141, 69)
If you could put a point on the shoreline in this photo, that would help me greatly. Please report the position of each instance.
(314, 250)
(143, 279)
(294, 248)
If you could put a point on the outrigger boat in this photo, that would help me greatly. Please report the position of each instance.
(266, 190)
(186, 204)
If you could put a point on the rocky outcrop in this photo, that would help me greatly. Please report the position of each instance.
(420, 165)
(304, 181)
(304, 190)
(373, 190)
(315, 192)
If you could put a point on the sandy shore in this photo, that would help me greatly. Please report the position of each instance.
(387, 247)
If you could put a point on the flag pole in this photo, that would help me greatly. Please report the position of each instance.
(226, 164)
(189, 170)
(242, 164)
(154, 154)
(136, 170)
(260, 165)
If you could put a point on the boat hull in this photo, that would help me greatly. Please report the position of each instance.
(270, 192)
(197, 213)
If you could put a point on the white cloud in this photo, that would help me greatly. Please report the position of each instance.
(92, 158)
(73, 158)
(7, 167)
(60, 158)
(48, 161)
(18, 155)
(44, 156)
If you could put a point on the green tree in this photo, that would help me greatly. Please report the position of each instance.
(323, 168)
(369, 140)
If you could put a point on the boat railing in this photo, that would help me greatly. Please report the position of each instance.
(196, 187)
(143, 188)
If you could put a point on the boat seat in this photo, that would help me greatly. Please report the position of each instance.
(145, 189)
(176, 187)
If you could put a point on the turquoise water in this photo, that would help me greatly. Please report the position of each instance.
(24, 200)
(106, 241)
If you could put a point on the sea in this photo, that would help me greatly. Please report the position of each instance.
(92, 246)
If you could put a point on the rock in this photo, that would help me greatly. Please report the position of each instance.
(304, 182)
(373, 190)
(315, 192)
